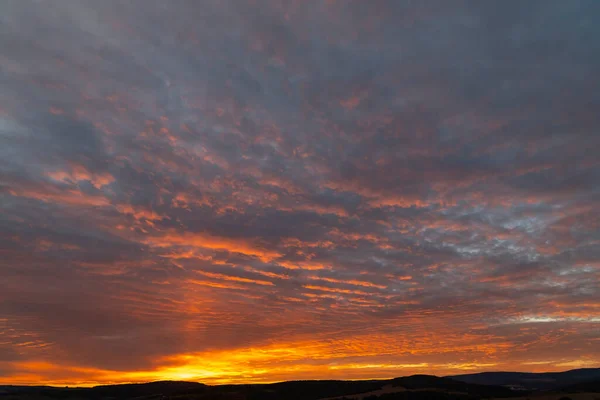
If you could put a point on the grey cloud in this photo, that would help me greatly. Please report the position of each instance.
(159, 158)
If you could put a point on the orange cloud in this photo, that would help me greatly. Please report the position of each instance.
(79, 173)
(207, 241)
(234, 278)
(67, 197)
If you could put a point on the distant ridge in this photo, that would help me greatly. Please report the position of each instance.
(416, 387)
(531, 380)
(485, 385)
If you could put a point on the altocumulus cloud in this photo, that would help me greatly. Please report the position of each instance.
(253, 191)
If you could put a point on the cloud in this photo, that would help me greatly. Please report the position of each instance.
(289, 190)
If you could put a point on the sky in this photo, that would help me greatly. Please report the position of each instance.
(255, 191)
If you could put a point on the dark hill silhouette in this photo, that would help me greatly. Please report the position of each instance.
(531, 381)
(416, 387)
(124, 391)
(425, 387)
(452, 385)
(592, 386)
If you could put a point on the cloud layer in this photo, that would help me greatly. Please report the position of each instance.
(264, 190)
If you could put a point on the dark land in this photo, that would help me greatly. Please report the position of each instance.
(580, 384)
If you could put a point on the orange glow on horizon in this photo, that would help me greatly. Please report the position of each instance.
(275, 363)
(350, 190)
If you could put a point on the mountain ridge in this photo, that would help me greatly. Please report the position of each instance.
(531, 380)
(413, 387)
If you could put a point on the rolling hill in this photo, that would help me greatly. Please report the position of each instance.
(491, 385)
(531, 381)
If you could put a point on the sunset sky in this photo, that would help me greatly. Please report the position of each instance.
(254, 191)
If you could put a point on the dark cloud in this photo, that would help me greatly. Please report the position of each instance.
(304, 189)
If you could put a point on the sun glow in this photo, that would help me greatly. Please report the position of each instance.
(299, 360)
